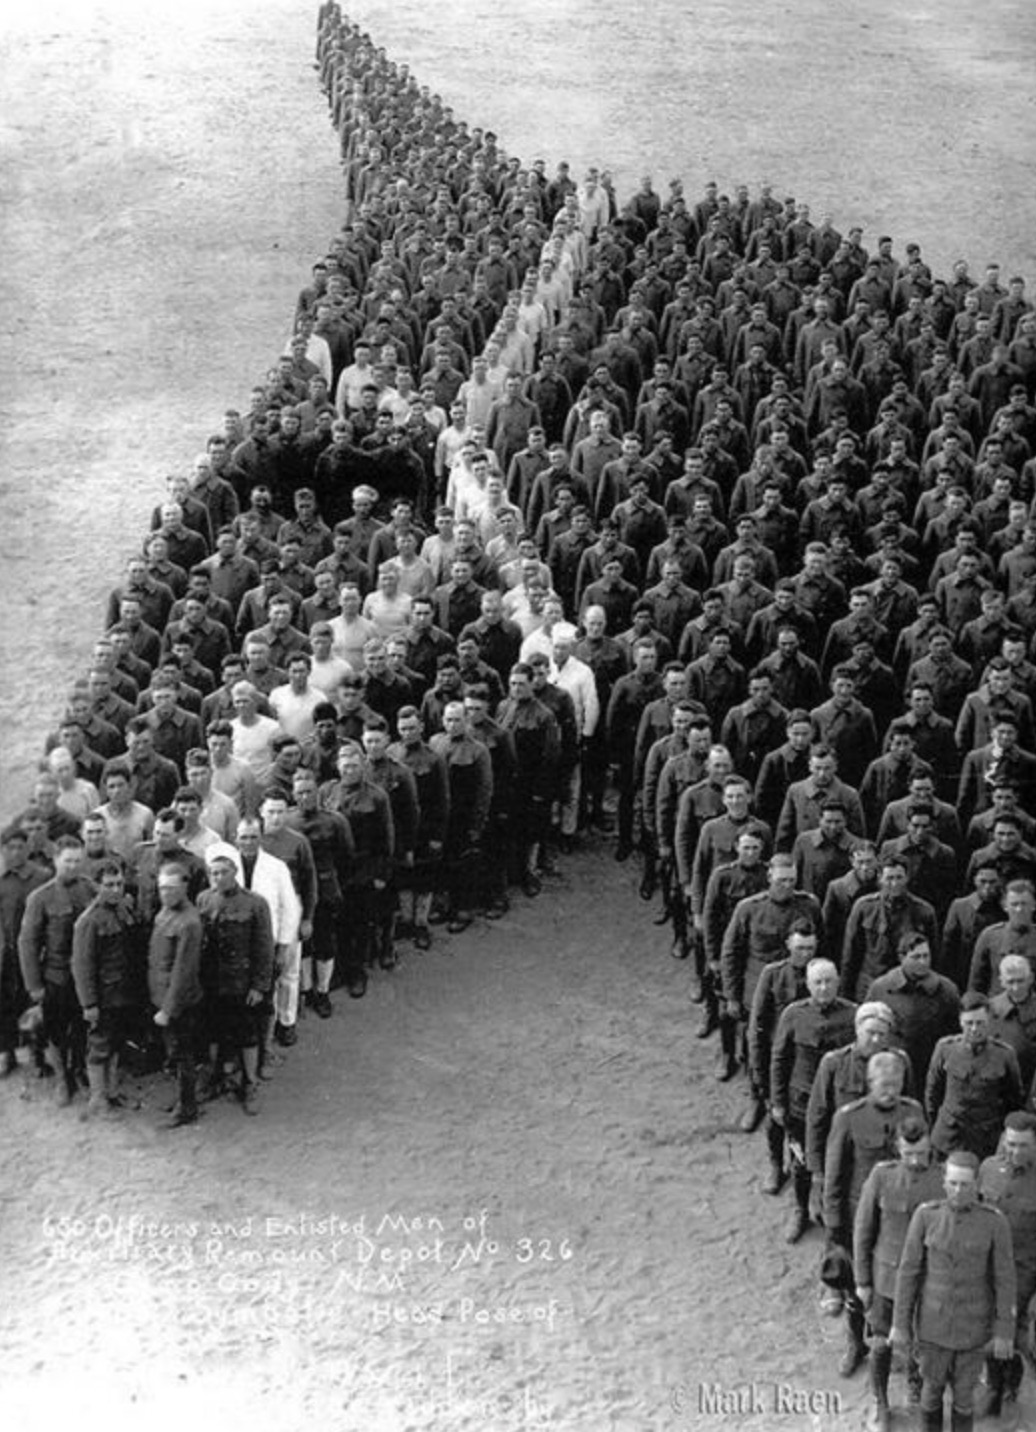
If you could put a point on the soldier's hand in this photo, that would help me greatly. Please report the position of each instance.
(378, 884)
(778, 1114)
(92, 1015)
(36, 995)
(665, 852)
(698, 923)
(253, 997)
(306, 930)
(1002, 1348)
(161, 1018)
(898, 1338)
(866, 1297)
(687, 892)
(435, 847)
(734, 1010)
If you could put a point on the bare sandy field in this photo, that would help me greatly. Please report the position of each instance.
(503, 1191)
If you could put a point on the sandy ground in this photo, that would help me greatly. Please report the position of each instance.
(503, 1191)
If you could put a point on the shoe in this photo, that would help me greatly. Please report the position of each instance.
(458, 923)
(752, 1117)
(708, 1023)
(180, 1119)
(8, 1064)
(438, 917)
(278, 1032)
(213, 1087)
(566, 844)
(357, 987)
(623, 852)
(62, 1094)
(662, 918)
(549, 868)
(309, 999)
(531, 884)
(289, 1035)
(388, 960)
(322, 1005)
(422, 937)
(855, 1354)
(774, 1179)
(695, 993)
(647, 889)
(726, 1068)
(498, 909)
(798, 1222)
(250, 1099)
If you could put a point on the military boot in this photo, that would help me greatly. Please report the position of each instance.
(97, 1106)
(881, 1367)
(798, 1218)
(855, 1344)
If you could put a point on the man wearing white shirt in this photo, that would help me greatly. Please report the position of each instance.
(218, 811)
(388, 608)
(264, 874)
(353, 380)
(575, 677)
(252, 734)
(327, 669)
(542, 638)
(478, 393)
(294, 703)
(350, 630)
(195, 836)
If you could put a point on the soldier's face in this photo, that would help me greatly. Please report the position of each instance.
(961, 1186)
(1019, 1148)
(974, 1027)
(916, 1156)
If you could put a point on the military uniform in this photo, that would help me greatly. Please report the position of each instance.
(863, 1133)
(969, 1093)
(886, 1205)
(1013, 1191)
(45, 953)
(237, 957)
(840, 1079)
(926, 1010)
(956, 1285)
(806, 1031)
(174, 984)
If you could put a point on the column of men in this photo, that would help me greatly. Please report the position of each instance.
(666, 475)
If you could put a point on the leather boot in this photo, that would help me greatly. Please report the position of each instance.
(64, 1084)
(727, 1066)
(775, 1177)
(931, 1421)
(798, 1219)
(855, 1346)
(97, 1106)
(881, 1367)
(995, 1380)
(709, 1021)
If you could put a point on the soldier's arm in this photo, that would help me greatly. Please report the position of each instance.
(1005, 1282)
(30, 944)
(837, 1172)
(908, 1279)
(818, 1117)
(760, 1026)
(935, 1084)
(866, 1229)
(261, 952)
(184, 972)
(84, 963)
(732, 966)
(781, 1060)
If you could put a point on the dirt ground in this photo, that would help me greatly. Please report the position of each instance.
(503, 1191)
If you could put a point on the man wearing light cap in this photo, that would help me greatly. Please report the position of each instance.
(956, 1288)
